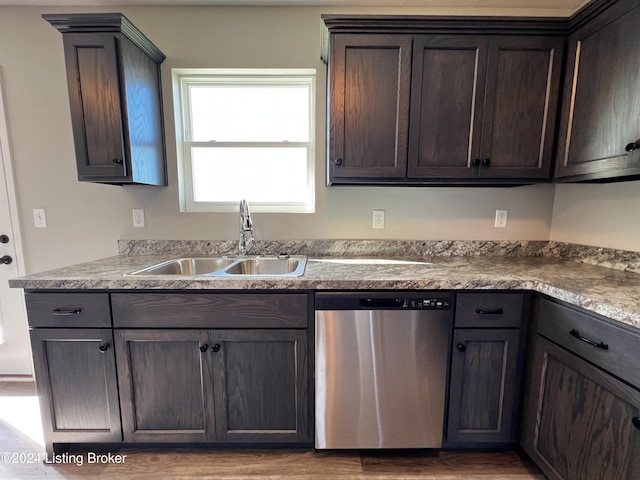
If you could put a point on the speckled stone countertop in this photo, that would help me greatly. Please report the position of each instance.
(607, 291)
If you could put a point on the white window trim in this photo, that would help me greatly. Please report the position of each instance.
(183, 77)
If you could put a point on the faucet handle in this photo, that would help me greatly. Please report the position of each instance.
(245, 216)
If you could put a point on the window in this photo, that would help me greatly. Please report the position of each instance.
(245, 134)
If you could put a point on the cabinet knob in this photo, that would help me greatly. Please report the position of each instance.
(461, 347)
(476, 162)
(117, 161)
(216, 348)
(636, 422)
(338, 162)
(486, 162)
(6, 259)
(4, 239)
(632, 146)
(104, 347)
(204, 347)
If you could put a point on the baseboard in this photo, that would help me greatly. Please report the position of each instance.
(16, 378)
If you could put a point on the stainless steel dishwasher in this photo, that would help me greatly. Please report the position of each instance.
(381, 369)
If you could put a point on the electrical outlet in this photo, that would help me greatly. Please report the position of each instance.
(138, 218)
(39, 218)
(501, 219)
(378, 219)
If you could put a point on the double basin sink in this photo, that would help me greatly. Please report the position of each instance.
(230, 266)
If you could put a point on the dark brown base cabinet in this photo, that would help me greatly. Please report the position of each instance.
(75, 371)
(235, 368)
(483, 380)
(580, 421)
(486, 366)
(174, 367)
(247, 386)
(213, 367)
(165, 389)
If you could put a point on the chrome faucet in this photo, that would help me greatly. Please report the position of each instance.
(246, 230)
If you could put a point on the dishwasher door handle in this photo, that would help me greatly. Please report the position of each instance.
(382, 303)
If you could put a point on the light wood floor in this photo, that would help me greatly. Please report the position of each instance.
(269, 464)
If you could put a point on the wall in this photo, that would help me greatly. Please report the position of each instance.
(86, 220)
(603, 215)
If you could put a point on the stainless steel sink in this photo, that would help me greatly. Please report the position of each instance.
(187, 266)
(267, 266)
(229, 266)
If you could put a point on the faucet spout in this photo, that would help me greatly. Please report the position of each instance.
(247, 241)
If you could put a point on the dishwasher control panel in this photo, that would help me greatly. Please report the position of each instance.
(383, 301)
(429, 303)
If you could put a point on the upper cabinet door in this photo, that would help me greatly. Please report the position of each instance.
(113, 77)
(446, 105)
(370, 77)
(600, 118)
(94, 94)
(523, 82)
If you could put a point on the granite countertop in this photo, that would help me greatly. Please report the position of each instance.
(607, 291)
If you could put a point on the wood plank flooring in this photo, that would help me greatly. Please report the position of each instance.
(253, 464)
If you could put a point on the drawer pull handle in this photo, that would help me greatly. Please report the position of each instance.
(204, 347)
(103, 348)
(636, 422)
(61, 312)
(461, 347)
(576, 333)
(489, 311)
(215, 348)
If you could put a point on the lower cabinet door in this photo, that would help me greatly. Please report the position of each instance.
(483, 386)
(580, 422)
(76, 378)
(165, 385)
(263, 386)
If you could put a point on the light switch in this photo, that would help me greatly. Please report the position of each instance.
(39, 218)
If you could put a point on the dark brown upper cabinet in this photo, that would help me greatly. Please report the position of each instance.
(483, 107)
(409, 106)
(113, 75)
(369, 104)
(447, 96)
(520, 106)
(599, 136)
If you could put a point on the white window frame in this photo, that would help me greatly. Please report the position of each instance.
(183, 78)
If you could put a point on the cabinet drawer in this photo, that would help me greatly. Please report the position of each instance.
(499, 310)
(563, 325)
(211, 310)
(88, 310)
